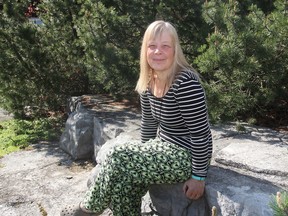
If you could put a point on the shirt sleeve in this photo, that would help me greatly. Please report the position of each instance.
(149, 125)
(191, 100)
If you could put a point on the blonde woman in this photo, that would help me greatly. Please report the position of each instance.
(176, 141)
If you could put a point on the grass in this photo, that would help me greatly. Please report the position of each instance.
(279, 204)
(19, 134)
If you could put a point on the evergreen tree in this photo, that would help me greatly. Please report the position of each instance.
(84, 46)
(245, 61)
(91, 46)
(36, 68)
(111, 32)
(19, 73)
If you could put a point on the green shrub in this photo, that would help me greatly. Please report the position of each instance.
(279, 204)
(19, 134)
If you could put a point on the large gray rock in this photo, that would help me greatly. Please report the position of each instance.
(239, 194)
(87, 129)
(77, 139)
(169, 199)
(248, 168)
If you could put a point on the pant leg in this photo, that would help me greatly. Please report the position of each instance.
(128, 201)
(128, 171)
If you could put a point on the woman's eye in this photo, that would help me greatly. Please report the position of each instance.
(166, 46)
(152, 46)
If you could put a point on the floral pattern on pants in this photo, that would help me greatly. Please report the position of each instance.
(129, 169)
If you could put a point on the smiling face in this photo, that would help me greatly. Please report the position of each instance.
(160, 52)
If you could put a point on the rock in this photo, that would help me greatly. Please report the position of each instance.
(268, 159)
(248, 168)
(237, 194)
(169, 199)
(77, 139)
(40, 180)
(87, 129)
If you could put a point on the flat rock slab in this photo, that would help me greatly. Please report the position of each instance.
(40, 181)
(259, 157)
(238, 194)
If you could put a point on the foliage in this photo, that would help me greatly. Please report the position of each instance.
(92, 47)
(111, 32)
(245, 60)
(84, 46)
(18, 134)
(37, 67)
(279, 204)
(109, 51)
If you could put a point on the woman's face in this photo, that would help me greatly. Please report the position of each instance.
(160, 52)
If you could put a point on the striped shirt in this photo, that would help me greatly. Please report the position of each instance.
(180, 117)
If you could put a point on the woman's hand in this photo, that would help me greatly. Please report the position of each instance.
(194, 189)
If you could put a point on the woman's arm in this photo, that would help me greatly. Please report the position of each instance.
(149, 125)
(191, 99)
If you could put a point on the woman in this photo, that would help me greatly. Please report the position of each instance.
(176, 141)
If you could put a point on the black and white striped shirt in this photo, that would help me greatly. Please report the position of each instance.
(180, 117)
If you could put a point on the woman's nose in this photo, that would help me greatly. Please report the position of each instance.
(157, 50)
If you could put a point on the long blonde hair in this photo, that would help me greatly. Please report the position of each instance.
(155, 29)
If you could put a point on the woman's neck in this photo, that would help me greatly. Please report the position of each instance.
(160, 76)
(159, 84)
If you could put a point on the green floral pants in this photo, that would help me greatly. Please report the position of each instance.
(129, 169)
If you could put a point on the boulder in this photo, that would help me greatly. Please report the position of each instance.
(233, 193)
(89, 126)
(169, 199)
(248, 168)
(77, 138)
